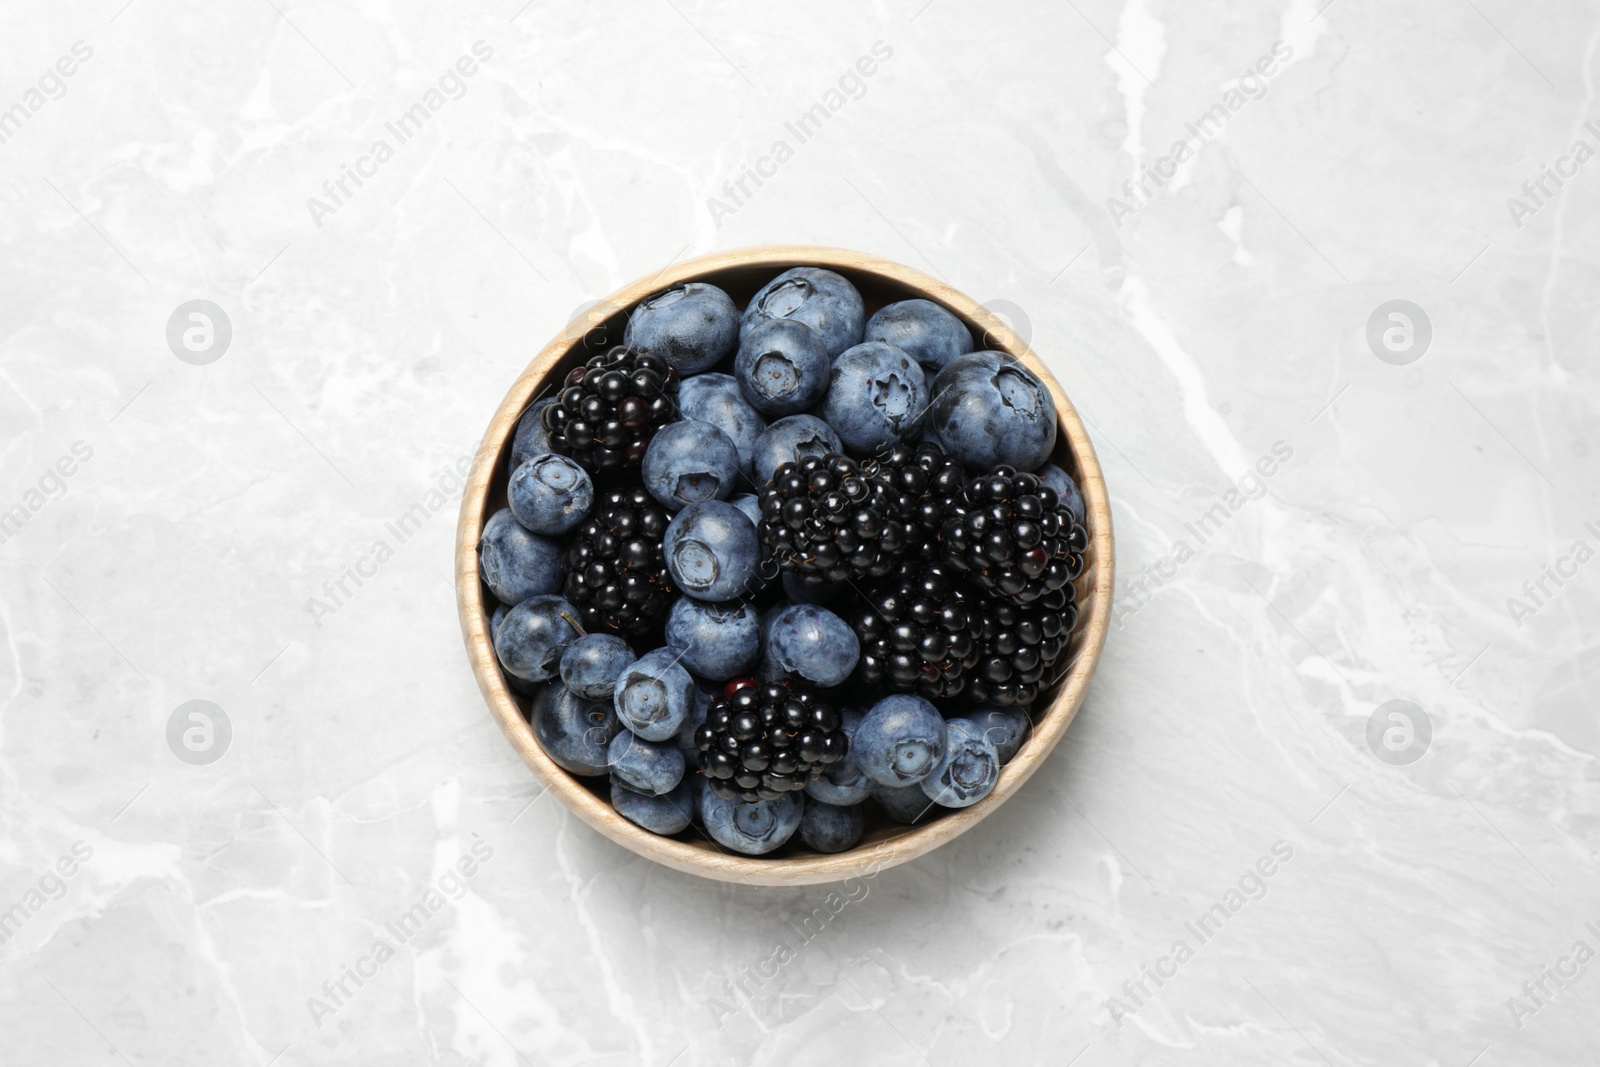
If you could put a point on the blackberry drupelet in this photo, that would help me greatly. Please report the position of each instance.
(615, 573)
(1020, 649)
(760, 741)
(1013, 537)
(923, 482)
(919, 630)
(825, 521)
(611, 406)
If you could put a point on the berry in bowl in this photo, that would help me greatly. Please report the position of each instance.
(774, 575)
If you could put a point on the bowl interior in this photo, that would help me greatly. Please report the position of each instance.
(880, 283)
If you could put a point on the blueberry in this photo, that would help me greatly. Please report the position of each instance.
(907, 804)
(654, 695)
(1066, 489)
(782, 368)
(842, 783)
(750, 504)
(1004, 728)
(711, 550)
(550, 494)
(665, 815)
(790, 439)
(926, 332)
(829, 828)
(717, 399)
(989, 410)
(531, 438)
(967, 772)
(718, 641)
(877, 395)
(691, 325)
(515, 563)
(812, 642)
(900, 741)
(533, 635)
(572, 731)
(495, 619)
(689, 461)
(591, 665)
(653, 767)
(753, 828)
(819, 298)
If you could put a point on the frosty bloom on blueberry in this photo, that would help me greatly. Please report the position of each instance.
(711, 550)
(782, 367)
(820, 299)
(550, 494)
(692, 326)
(688, 462)
(923, 330)
(717, 399)
(899, 483)
(989, 410)
(876, 395)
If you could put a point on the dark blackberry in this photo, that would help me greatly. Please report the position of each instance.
(1020, 649)
(611, 406)
(615, 573)
(918, 630)
(1013, 537)
(760, 741)
(825, 521)
(924, 481)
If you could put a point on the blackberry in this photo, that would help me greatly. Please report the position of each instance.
(924, 481)
(1020, 650)
(611, 406)
(1013, 537)
(616, 575)
(825, 520)
(760, 741)
(919, 631)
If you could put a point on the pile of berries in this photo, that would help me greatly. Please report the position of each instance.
(783, 570)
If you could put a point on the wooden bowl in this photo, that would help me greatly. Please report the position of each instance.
(885, 843)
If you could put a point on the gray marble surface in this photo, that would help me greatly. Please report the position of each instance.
(1235, 857)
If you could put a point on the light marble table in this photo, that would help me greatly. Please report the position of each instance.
(1234, 857)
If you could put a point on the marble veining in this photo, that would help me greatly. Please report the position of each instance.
(1317, 275)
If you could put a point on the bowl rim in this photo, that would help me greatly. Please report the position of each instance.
(865, 860)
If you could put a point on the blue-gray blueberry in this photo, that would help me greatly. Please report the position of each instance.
(967, 771)
(811, 641)
(791, 439)
(753, 828)
(653, 767)
(829, 828)
(654, 695)
(821, 299)
(574, 732)
(712, 550)
(989, 410)
(515, 562)
(782, 368)
(717, 399)
(719, 641)
(534, 634)
(900, 740)
(550, 494)
(925, 331)
(665, 815)
(689, 461)
(877, 395)
(591, 665)
(692, 325)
